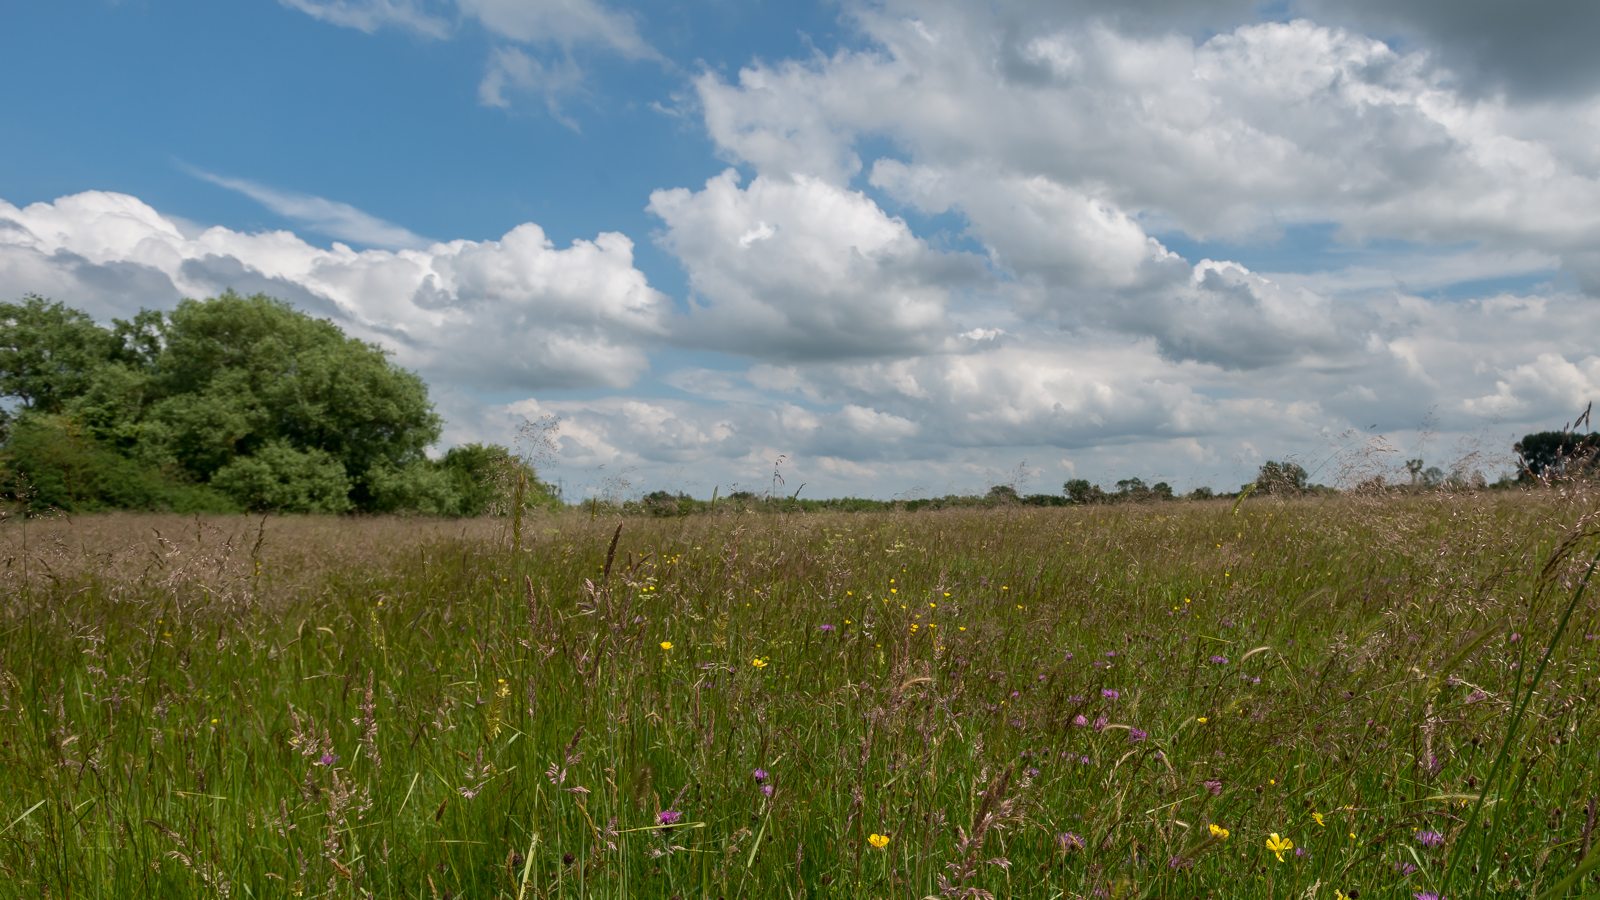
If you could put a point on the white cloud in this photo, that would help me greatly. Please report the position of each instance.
(560, 22)
(328, 217)
(512, 313)
(370, 15)
(802, 269)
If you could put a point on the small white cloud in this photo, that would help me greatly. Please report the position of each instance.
(370, 15)
(328, 217)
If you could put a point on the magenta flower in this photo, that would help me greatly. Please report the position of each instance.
(760, 775)
(670, 816)
(1135, 735)
(1215, 787)
(827, 628)
(1110, 694)
(1080, 721)
(327, 759)
(1220, 660)
(1069, 842)
(1430, 838)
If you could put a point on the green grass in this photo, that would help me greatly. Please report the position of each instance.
(405, 708)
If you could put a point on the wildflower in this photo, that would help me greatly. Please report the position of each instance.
(1430, 838)
(1404, 868)
(878, 841)
(1080, 721)
(666, 645)
(1069, 842)
(766, 790)
(669, 816)
(759, 663)
(327, 759)
(760, 775)
(1110, 694)
(1427, 895)
(1215, 787)
(1220, 660)
(1277, 845)
(1219, 832)
(1201, 720)
(1318, 817)
(827, 628)
(1180, 862)
(1100, 724)
(1135, 735)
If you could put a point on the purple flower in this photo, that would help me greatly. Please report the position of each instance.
(827, 628)
(1069, 653)
(1427, 895)
(1430, 838)
(1405, 868)
(760, 775)
(766, 790)
(1220, 660)
(1069, 842)
(1031, 772)
(669, 816)
(1215, 787)
(1180, 862)
(1110, 653)
(1101, 723)
(327, 759)
(1080, 721)
(1135, 735)
(1515, 637)
(1110, 694)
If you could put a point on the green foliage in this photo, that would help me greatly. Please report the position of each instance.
(282, 478)
(1282, 478)
(50, 464)
(273, 406)
(1556, 453)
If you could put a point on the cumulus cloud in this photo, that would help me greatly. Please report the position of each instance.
(799, 268)
(513, 313)
(1076, 132)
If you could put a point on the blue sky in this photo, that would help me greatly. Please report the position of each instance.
(911, 247)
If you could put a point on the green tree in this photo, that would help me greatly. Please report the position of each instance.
(1080, 491)
(1282, 478)
(1555, 453)
(192, 394)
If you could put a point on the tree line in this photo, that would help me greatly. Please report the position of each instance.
(234, 403)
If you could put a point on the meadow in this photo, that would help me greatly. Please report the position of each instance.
(1341, 697)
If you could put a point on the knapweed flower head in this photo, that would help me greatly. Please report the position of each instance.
(669, 816)
(1220, 660)
(327, 759)
(1215, 787)
(766, 790)
(1404, 868)
(760, 775)
(666, 645)
(826, 627)
(1080, 721)
(1217, 831)
(1430, 838)
(1278, 845)
(1069, 842)
(1427, 895)
(878, 841)
(1135, 735)
(1110, 694)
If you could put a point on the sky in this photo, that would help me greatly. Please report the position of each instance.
(885, 249)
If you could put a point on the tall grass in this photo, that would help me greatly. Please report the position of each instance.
(1105, 702)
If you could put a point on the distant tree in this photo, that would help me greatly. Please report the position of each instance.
(1202, 493)
(1081, 492)
(1555, 453)
(1002, 493)
(1281, 478)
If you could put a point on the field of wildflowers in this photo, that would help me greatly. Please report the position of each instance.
(1328, 698)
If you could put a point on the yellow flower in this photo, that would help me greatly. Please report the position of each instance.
(666, 645)
(1277, 845)
(1318, 817)
(879, 841)
(759, 663)
(1218, 831)
(1201, 720)
(962, 627)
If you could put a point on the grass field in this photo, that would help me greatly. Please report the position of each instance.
(1294, 699)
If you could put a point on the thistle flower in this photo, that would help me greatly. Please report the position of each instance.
(1278, 845)
(827, 628)
(1215, 787)
(1220, 660)
(327, 759)
(1110, 694)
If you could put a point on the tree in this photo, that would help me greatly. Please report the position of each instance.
(273, 407)
(1555, 453)
(1084, 493)
(1281, 478)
